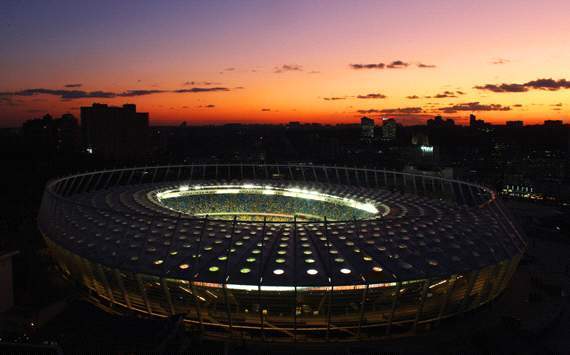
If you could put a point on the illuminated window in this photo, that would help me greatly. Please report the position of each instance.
(183, 266)
(310, 261)
(222, 258)
(214, 268)
(339, 260)
(245, 270)
(377, 269)
(250, 260)
(345, 271)
(158, 262)
(280, 261)
(312, 272)
(278, 271)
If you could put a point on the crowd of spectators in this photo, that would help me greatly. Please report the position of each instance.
(255, 206)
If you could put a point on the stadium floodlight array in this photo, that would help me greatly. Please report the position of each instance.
(186, 192)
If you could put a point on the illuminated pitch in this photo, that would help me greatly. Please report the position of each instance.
(257, 202)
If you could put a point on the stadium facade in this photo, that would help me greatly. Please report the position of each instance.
(281, 252)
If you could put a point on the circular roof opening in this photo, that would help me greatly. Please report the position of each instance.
(266, 202)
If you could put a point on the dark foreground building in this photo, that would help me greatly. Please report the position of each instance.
(290, 253)
(115, 133)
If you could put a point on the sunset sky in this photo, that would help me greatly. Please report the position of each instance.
(278, 61)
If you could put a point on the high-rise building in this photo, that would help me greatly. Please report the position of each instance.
(515, 124)
(366, 128)
(389, 129)
(475, 123)
(472, 120)
(114, 133)
(553, 123)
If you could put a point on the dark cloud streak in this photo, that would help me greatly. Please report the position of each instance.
(500, 61)
(538, 84)
(447, 94)
(67, 95)
(198, 89)
(206, 83)
(429, 66)
(503, 87)
(287, 68)
(399, 110)
(368, 66)
(474, 106)
(133, 93)
(372, 96)
(397, 64)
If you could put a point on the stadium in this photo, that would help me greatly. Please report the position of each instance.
(281, 253)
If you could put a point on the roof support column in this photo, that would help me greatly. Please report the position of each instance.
(450, 287)
(122, 287)
(167, 295)
(422, 303)
(394, 306)
(143, 293)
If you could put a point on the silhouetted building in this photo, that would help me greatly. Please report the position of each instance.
(6, 280)
(294, 125)
(115, 133)
(553, 123)
(66, 133)
(438, 121)
(515, 124)
(472, 120)
(389, 129)
(420, 138)
(475, 123)
(366, 129)
(60, 134)
(39, 131)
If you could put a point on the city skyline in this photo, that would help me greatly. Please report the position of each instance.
(260, 62)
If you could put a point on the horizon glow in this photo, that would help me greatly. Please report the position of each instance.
(273, 62)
